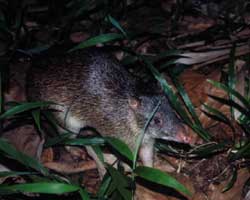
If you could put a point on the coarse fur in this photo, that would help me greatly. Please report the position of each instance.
(94, 90)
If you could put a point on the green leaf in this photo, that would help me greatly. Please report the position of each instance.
(231, 77)
(231, 91)
(98, 152)
(83, 141)
(117, 25)
(111, 188)
(242, 152)
(121, 183)
(57, 139)
(207, 149)
(232, 180)
(24, 107)
(46, 188)
(98, 39)
(104, 186)
(227, 102)
(167, 64)
(28, 161)
(187, 101)
(218, 114)
(166, 148)
(36, 114)
(64, 139)
(141, 136)
(51, 119)
(14, 173)
(83, 193)
(121, 147)
(159, 177)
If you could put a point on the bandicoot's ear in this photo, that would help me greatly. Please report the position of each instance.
(134, 103)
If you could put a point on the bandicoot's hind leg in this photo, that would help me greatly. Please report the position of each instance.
(100, 165)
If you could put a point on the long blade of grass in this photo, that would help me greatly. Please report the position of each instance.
(51, 119)
(186, 100)
(141, 135)
(231, 77)
(28, 161)
(57, 140)
(24, 107)
(97, 149)
(36, 114)
(231, 91)
(103, 38)
(121, 183)
(167, 64)
(244, 151)
(14, 173)
(207, 149)
(159, 177)
(217, 113)
(233, 104)
(116, 24)
(83, 193)
(84, 141)
(232, 180)
(43, 187)
(121, 147)
(104, 186)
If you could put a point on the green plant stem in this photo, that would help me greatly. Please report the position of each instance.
(141, 136)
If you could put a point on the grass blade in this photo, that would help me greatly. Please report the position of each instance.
(117, 25)
(121, 147)
(36, 114)
(140, 137)
(232, 103)
(28, 161)
(24, 107)
(43, 187)
(121, 183)
(14, 173)
(219, 115)
(159, 177)
(231, 91)
(97, 39)
(187, 101)
(232, 180)
(231, 77)
(84, 195)
(84, 141)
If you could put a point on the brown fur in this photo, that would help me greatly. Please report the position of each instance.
(94, 90)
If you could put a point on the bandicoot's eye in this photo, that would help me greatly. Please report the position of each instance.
(158, 121)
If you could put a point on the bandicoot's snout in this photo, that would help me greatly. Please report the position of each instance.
(182, 135)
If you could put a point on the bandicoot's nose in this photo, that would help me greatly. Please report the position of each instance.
(182, 135)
